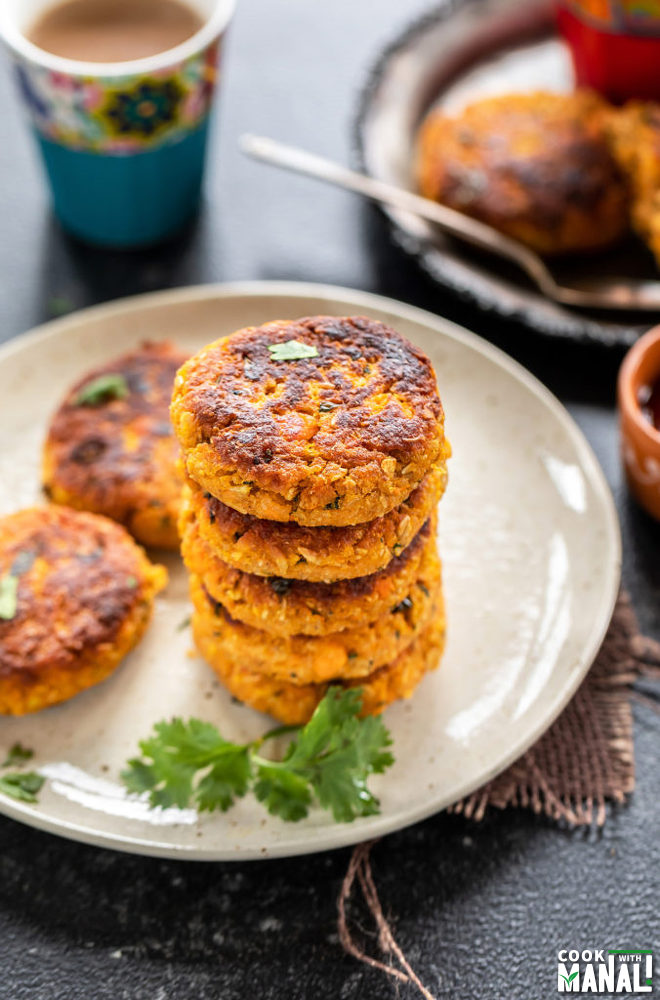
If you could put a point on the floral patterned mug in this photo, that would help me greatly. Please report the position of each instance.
(123, 143)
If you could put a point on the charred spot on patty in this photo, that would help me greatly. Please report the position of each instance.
(89, 451)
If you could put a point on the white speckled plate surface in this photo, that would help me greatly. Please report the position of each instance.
(531, 551)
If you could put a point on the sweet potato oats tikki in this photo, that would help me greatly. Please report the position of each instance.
(322, 421)
(111, 450)
(536, 166)
(314, 659)
(294, 704)
(288, 607)
(320, 555)
(76, 594)
(635, 136)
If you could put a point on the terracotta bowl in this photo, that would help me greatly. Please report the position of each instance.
(640, 441)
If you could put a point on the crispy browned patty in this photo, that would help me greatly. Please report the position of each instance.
(270, 548)
(290, 607)
(635, 135)
(117, 456)
(294, 704)
(78, 594)
(536, 166)
(304, 659)
(335, 439)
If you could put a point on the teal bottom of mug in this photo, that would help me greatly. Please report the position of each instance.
(126, 200)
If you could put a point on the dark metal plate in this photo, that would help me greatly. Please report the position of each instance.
(459, 51)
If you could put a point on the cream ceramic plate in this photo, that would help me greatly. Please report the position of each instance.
(531, 552)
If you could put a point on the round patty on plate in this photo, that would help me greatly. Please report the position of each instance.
(321, 555)
(111, 450)
(290, 607)
(305, 659)
(294, 704)
(535, 166)
(635, 135)
(76, 594)
(322, 421)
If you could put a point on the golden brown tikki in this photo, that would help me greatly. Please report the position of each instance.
(288, 607)
(321, 421)
(294, 704)
(535, 166)
(76, 594)
(635, 135)
(305, 659)
(111, 449)
(270, 548)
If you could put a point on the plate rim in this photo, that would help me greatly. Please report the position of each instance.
(336, 835)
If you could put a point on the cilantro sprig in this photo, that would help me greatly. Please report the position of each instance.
(328, 761)
(17, 754)
(22, 785)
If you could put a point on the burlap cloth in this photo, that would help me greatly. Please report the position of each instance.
(585, 760)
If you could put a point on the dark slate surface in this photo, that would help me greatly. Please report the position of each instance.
(481, 910)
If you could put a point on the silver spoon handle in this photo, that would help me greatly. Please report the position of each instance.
(455, 223)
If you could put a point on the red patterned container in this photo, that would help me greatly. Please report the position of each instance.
(615, 45)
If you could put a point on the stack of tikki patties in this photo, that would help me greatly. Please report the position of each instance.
(315, 457)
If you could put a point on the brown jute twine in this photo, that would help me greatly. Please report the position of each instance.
(583, 761)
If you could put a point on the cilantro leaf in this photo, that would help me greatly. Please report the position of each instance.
(282, 791)
(101, 390)
(228, 780)
(329, 760)
(337, 751)
(9, 584)
(22, 785)
(8, 596)
(341, 780)
(292, 350)
(60, 305)
(336, 710)
(16, 755)
(139, 776)
(173, 756)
